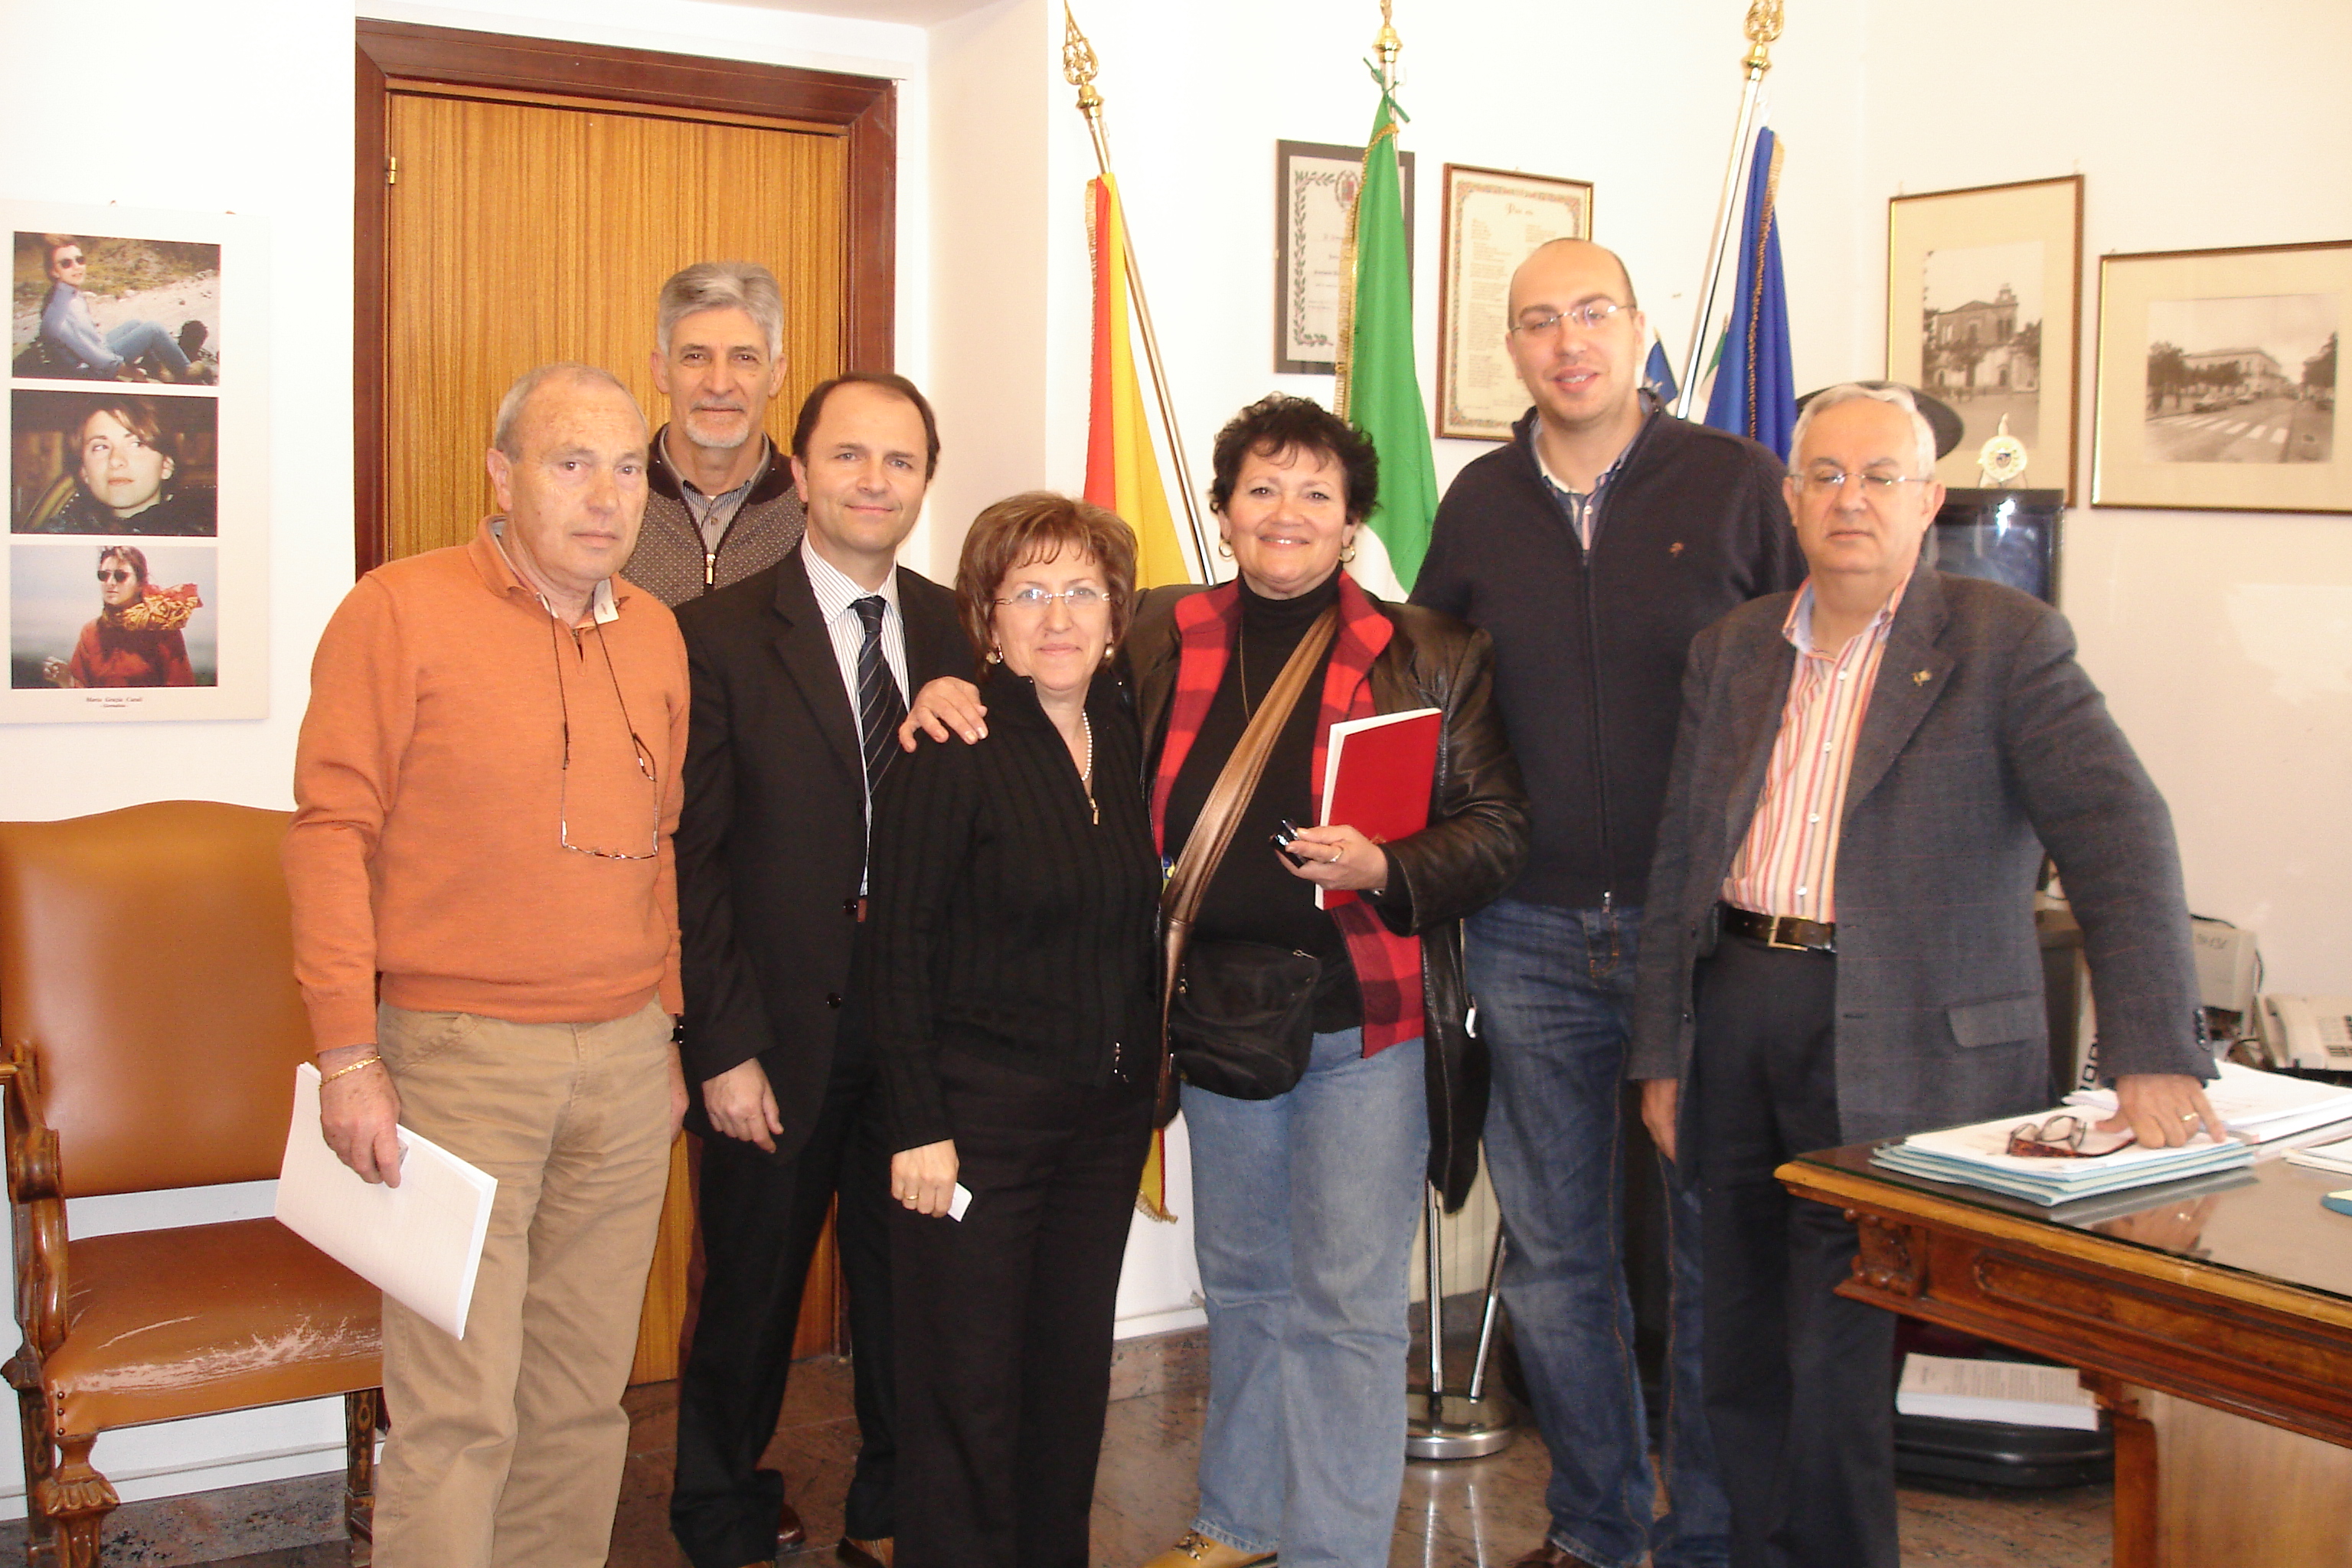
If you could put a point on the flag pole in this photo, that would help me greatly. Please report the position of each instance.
(1387, 45)
(1763, 27)
(1078, 68)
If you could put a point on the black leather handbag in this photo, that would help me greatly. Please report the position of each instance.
(1236, 1017)
(1242, 1019)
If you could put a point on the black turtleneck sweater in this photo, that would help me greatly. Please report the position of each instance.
(1253, 897)
(1006, 921)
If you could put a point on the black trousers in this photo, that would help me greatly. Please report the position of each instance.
(1004, 1318)
(761, 1221)
(1799, 1380)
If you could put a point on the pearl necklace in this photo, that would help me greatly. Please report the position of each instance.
(1086, 768)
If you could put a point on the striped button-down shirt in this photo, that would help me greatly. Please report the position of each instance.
(1788, 866)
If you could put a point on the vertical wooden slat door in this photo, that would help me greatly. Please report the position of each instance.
(526, 229)
(523, 229)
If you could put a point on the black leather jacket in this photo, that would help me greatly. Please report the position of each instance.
(1468, 853)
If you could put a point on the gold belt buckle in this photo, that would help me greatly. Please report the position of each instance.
(1772, 934)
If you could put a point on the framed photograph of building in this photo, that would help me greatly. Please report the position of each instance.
(2217, 379)
(1493, 219)
(1315, 186)
(135, 582)
(1984, 295)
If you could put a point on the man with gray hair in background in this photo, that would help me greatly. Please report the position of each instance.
(485, 916)
(720, 504)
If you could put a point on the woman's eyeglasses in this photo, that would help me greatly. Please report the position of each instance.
(1081, 597)
(117, 575)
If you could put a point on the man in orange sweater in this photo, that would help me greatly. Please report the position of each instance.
(486, 935)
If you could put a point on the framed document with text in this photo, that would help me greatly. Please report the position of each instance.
(1493, 219)
(1315, 192)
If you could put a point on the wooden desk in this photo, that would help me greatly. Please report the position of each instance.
(2234, 1292)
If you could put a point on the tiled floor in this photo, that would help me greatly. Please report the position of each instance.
(1479, 1513)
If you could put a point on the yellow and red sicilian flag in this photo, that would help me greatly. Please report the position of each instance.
(1122, 470)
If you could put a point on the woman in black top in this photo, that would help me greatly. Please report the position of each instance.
(1009, 967)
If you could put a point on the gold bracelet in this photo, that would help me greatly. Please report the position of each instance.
(339, 1072)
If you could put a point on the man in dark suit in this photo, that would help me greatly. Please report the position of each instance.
(1839, 943)
(800, 675)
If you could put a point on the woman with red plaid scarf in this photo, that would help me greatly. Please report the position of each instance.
(1306, 1204)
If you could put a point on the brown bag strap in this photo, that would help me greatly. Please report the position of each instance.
(1213, 830)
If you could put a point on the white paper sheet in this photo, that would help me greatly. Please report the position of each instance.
(420, 1242)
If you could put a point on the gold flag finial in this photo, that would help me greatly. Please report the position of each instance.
(1764, 24)
(1079, 63)
(1389, 46)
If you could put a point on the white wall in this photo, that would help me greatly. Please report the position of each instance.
(2224, 640)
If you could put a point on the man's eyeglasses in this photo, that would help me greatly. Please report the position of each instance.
(1081, 597)
(1874, 487)
(2062, 1138)
(117, 575)
(645, 756)
(64, 261)
(1589, 316)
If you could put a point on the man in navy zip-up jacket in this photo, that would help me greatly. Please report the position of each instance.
(1592, 548)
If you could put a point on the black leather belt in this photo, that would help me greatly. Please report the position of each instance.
(1780, 930)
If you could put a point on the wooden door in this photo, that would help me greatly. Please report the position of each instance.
(519, 201)
(529, 228)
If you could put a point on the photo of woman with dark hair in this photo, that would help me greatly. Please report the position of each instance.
(122, 466)
(135, 640)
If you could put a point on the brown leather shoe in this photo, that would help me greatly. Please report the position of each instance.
(1549, 1556)
(790, 1535)
(1197, 1550)
(873, 1553)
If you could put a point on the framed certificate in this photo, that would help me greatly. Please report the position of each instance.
(1315, 192)
(1493, 219)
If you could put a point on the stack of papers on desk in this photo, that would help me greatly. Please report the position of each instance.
(2334, 1158)
(1978, 1156)
(2258, 1105)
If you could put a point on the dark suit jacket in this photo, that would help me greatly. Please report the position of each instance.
(771, 844)
(1984, 743)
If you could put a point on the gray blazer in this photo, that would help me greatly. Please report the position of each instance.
(1984, 744)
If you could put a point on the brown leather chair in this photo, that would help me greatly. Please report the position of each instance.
(149, 1031)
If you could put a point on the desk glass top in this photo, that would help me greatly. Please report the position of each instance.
(2265, 1220)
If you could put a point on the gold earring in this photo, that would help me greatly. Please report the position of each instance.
(1225, 548)
(1347, 556)
(996, 655)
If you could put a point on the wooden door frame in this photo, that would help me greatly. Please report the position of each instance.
(405, 52)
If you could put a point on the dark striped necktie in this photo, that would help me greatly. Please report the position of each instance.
(880, 706)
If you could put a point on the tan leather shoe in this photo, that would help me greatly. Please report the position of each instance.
(1549, 1556)
(1197, 1550)
(875, 1554)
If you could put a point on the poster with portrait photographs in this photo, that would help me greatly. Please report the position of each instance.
(2218, 379)
(135, 581)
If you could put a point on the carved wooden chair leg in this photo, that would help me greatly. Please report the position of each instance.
(361, 1410)
(78, 1500)
(40, 1458)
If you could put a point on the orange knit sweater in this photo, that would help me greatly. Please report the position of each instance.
(428, 782)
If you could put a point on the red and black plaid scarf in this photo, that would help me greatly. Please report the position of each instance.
(1388, 966)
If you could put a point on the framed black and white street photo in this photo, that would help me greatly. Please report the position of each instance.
(2217, 375)
(1984, 296)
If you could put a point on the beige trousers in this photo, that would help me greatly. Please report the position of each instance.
(505, 1447)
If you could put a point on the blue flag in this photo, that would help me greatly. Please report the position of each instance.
(1755, 390)
(1657, 375)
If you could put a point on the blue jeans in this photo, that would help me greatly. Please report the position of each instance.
(1305, 1208)
(130, 340)
(1554, 989)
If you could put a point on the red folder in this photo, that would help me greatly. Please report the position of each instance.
(1377, 779)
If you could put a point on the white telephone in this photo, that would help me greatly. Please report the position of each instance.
(2305, 1031)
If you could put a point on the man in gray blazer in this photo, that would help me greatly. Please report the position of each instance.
(1839, 943)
